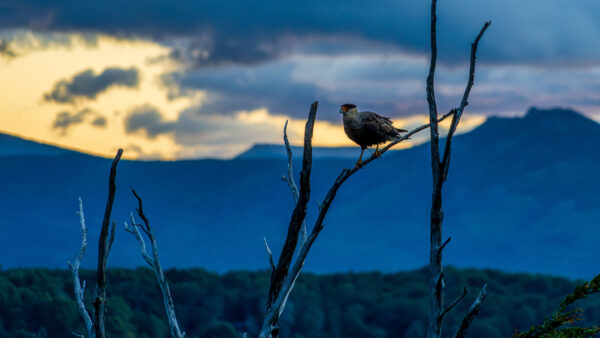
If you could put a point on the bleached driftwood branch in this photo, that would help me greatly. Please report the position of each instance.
(104, 245)
(439, 169)
(277, 300)
(154, 263)
(79, 287)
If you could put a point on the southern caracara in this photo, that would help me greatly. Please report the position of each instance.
(366, 129)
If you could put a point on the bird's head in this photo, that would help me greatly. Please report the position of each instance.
(348, 108)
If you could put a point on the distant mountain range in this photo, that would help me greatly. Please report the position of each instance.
(277, 151)
(13, 145)
(523, 194)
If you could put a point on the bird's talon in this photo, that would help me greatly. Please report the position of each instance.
(377, 153)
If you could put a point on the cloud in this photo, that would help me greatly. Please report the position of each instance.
(269, 86)
(226, 136)
(6, 49)
(87, 85)
(65, 119)
(99, 121)
(392, 85)
(149, 120)
(535, 32)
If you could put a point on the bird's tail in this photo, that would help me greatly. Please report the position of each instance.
(401, 131)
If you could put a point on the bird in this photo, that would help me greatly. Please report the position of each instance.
(367, 128)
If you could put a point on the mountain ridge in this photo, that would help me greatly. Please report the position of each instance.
(521, 196)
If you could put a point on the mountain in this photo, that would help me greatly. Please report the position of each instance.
(522, 195)
(13, 145)
(277, 151)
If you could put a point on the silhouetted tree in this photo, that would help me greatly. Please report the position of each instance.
(440, 166)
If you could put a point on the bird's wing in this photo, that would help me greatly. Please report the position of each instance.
(369, 116)
(378, 121)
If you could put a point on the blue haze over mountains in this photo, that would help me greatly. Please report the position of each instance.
(523, 194)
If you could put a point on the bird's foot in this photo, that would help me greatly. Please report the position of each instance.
(377, 153)
(359, 164)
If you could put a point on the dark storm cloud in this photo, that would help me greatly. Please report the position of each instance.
(392, 86)
(148, 119)
(88, 85)
(540, 32)
(66, 119)
(268, 86)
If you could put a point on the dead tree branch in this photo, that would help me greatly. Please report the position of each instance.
(78, 287)
(279, 274)
(154, 262)
(298, 215)
(446, 310)
(463, 103)
(269, 254)
(276, 304)
(472, 314)
(289, 179)
(104, 245)
(439, 170)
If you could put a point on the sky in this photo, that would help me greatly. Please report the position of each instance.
(194, 79)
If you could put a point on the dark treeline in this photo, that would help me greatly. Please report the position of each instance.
(39, 302)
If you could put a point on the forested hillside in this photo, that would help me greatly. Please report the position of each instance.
(39, 302)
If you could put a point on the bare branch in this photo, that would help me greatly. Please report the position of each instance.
(111, 238)
(103, 248)
(446, 310)
(270, 324)
(439, 250)
(464, 102)
(472, 314)
(298, 215)
(140, 212)
(79, 288)
(270, 254)
(439, 169)
(400, 139)
(154, 263)
(290, 176)
(133, 229)
(433, 113)
(435, 258)
(290, 180)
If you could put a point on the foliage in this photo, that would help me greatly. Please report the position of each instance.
(554, 326)
(39, 302)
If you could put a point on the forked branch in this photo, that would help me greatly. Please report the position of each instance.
(277, 304)
(439, 170)
(298, 215)
(472, 313)
(79, 287)
(154, 263)
(289, 179)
